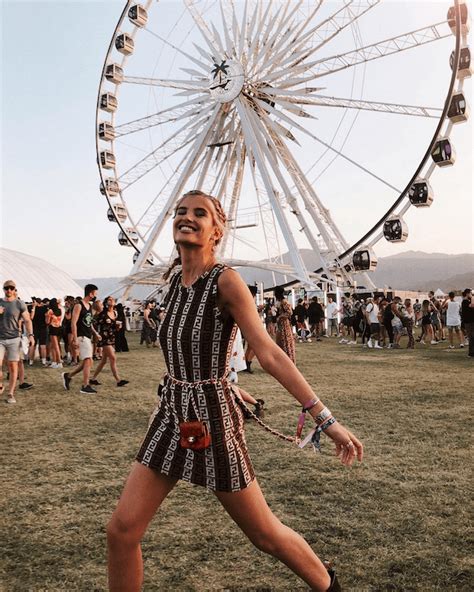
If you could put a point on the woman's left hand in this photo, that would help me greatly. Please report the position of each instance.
(348, 447)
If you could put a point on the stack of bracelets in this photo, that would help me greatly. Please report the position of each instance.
(324, 419)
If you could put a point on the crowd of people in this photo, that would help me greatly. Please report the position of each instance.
(375, 322)
(84, 329)
(54, 335)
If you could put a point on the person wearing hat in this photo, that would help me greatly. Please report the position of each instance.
(12, 309)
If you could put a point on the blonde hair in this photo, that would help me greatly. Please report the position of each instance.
(220, 220)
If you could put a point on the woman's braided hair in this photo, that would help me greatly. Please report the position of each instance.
(220, 219)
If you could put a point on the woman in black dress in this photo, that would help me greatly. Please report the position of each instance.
(197, 432)
(121, 344)
(107, 326)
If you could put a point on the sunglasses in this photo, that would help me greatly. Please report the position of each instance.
(9, 288)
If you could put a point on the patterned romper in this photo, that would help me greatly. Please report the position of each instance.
(196, 340)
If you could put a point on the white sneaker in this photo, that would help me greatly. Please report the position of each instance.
(377, 346)
(10, 399)
(461, 345)
(422, 342)
(352, 343)
(434, 342)
(451, 347)
(370, 344)
(343, 341)
(30, 362)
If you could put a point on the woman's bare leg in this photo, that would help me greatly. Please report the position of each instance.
(101, 364)
(143, 494)
(251, 513)
(113, 361)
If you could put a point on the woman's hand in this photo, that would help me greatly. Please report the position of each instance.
(347, 445)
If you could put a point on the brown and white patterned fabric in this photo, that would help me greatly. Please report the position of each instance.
(284, 334)
(196, 340)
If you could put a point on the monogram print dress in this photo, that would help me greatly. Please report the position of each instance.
(196, 340)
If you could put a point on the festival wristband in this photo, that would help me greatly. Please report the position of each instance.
(323, 415)
(302, 416)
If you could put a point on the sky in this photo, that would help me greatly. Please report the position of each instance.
(52, 57)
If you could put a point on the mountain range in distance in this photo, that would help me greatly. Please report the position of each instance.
(410, 270)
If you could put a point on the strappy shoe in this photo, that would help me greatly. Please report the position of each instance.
(335, 586)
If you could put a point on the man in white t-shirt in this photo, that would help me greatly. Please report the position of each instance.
(372, 314)
(453, 320)
(331, 314)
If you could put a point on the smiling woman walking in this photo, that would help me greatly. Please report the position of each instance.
(197, 432)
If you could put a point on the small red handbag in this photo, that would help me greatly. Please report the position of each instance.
(194, 435)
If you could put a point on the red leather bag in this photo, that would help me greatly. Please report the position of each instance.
(194, 435)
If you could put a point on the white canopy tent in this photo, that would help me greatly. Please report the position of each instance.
(36, 277)
(439, 293)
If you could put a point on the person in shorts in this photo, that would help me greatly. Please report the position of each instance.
(12, 309)
(453, 320)
(82, 329)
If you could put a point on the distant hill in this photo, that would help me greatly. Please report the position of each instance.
(411, 270)
(415, 270)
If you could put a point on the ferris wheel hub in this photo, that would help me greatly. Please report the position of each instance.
(226, 80)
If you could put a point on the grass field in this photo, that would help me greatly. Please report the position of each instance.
(400, 521)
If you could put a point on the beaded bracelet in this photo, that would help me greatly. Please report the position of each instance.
(324, 426)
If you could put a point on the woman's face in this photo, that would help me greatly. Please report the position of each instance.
(194, 223)
(110, 302)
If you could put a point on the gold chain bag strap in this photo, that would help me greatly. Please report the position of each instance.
(238, 398)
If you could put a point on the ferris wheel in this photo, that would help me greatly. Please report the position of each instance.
(274, 108)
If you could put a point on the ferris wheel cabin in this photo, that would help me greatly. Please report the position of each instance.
(137, 15)
(443, 153)
(458, 109)
(395, 230)
(364, 259)
(106, 131)
(114, 73)
(149, 260)
(124, 44)
(464, 66)
(117, 212)
(464, 19)
(128, 237)
(420, 194)
(111, 187)
(107, 159)
(108, 102)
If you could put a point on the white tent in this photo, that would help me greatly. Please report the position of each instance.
(36, 277)
(439, 293)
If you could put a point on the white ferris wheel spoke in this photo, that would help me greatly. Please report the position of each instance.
(268, 139)
(281, 115)
(260, 153)
(176, 113)
(326, 226)
(199, 145)
(375, 51)
(214, 43)
(298, 46)
(179, 84)
(151, 161)
(304, 98)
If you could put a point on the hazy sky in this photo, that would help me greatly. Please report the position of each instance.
(52, 55)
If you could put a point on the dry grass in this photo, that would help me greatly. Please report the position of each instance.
(399, 521)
